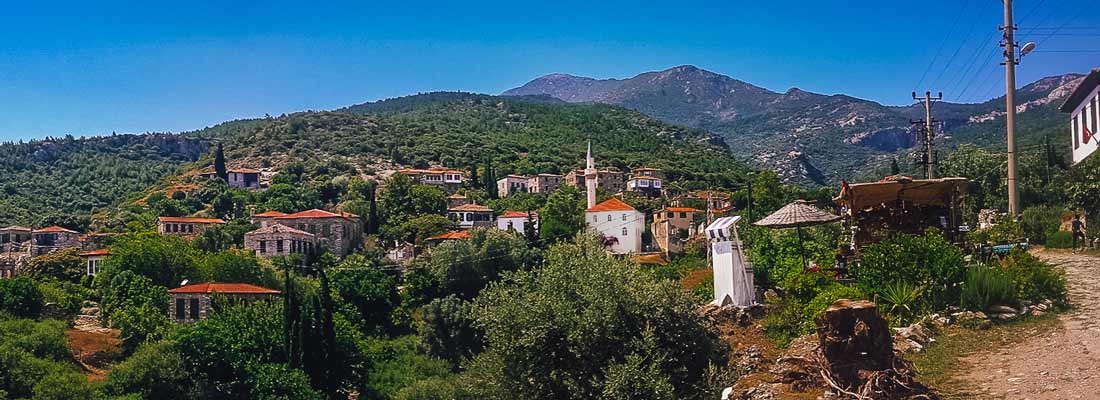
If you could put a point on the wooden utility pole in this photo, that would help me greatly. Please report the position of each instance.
(929, 159)
(1009, 43)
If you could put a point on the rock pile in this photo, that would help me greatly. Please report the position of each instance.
(741, 316)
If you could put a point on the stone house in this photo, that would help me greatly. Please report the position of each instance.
(511, 184)
(9, 264)
(244, 178)
(194, 302)
(471, 216)
(53, 238)
(456, 200)
(266, 218)
(516, 221)
(277, 240)
(93, 260)
(544, 183)
(339, 233)
(606, 180)
(672, 227)
(13, 238)
(447, 179)
(186, 226)
(647, 181)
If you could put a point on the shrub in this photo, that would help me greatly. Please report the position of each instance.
(783, 322)
(805, 286)
(823, 300)
(1039, 222)
(68, 295)
(446, 330)
(20, 297)
(901, 301)
(155, 371)
(63, 265)
(1034, 279)
(986, 287)
(395, 364)
(929, 261)
(1059, 240)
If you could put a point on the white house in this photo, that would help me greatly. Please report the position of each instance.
(93, 260)
(516, 221)
(1083, 105)
(619, 224)
(471, 216)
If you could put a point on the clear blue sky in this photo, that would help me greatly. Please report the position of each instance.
(90, 68)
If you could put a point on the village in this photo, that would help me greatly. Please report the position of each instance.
(492, 201)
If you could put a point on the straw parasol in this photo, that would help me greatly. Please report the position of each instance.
(796, 215)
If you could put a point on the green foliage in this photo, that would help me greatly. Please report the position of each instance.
(446, 328)
(1040, 222)
(639, 375)
(134, 305)
(166, 260)
(237, 266)
(562, 216)
(928, 261)
(1007, 230)
(20, 297)
(784, 321)
(564, 329)
(902, 302)
(986, 287)
(1059, 240)
(422, 227)
(64, 385)
(826, 297)
(367, 293)
(395, 364)
(1034, 279)
(402, 201)
(279, 382)
(464, 267)
(65, 265)
(154, 371)
(223, 237)
(219, 163)
(69, 296)
(33, 354)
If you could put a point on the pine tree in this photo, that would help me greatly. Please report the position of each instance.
(894, 168)
(219, 164)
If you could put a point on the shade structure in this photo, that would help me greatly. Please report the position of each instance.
(798, 214)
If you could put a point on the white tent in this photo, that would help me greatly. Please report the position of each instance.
(733, 282)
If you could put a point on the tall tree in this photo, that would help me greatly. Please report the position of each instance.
(219, 163)
(894, 168)
(372, 223)
(489, 180)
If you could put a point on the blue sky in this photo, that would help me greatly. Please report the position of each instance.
(91, 68)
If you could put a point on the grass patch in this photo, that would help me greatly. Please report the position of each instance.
(941, 367)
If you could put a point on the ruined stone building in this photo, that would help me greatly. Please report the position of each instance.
(195, 302)
(277, 240)
(53, 238)
(339, 233)
(186, 226)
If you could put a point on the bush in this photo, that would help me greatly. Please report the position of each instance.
(1034, 279)
(67, 295)
(986, 287)
(1059, 240)
(20, 297)
(395, 364)
(902, 302)
(1039, 222)
(446, 330)
(65, 265)
(155, 371)
(783, 322)
(929, 261)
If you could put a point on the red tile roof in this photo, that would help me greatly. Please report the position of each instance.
(315, 213)
(191, 220)
(612, 204)
(15, 228)
(471, 208)
(271, 213)
(429, 171)
(54, 229)
(518, 214)
(279, 228)
(244, 171)
(451, 236)
(457, 196)
(226, 288)
(100, 252)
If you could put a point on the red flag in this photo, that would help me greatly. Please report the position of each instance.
(1086, 135)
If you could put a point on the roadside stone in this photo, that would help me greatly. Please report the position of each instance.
(1037, 313)
(90, 311)
(1005, 316)
(1003, 310)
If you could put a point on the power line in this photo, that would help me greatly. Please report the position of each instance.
(935, 57)
(955, 54)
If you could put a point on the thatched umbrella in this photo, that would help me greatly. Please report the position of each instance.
(797, 215)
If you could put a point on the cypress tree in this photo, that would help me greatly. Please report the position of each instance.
(473, 172)
(490, 181)
(372, 223)
(894, 168)
(219, 164)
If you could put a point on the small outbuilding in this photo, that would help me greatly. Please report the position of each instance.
(880, 210)
(195, 302)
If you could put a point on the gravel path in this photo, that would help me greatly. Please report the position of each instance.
(1061, 364)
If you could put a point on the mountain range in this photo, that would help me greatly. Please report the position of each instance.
(809, 138)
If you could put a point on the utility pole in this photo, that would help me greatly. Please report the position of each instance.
(929, 159)
(1009, 43)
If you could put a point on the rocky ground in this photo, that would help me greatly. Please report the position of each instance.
(94, 347)
(1061, 364)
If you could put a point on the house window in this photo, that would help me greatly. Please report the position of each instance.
(624, 217)
(179, 309)
(279, 246)
(608, 217)
(190, 229)
(1094, 115)
(194, 309)
(511, 226)
(1076, 135)
(595, 219)
(326, 229)
(683, 215)
(624, 231)
(263, 246)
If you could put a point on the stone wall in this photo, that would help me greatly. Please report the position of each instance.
(338, 235)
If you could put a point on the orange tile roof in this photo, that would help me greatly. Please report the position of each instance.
(54, 229)
(15, 228)
(192, 220)
(518, 214)
(244, 171)
(227, 288)
(612, 204)
(682, 209)
(271, 213)
(451, 236)
(471, 208)
(429, 171)
(316, 213)
(99, 252)
(457, 196)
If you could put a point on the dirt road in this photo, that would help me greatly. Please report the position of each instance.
(1061, 364)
